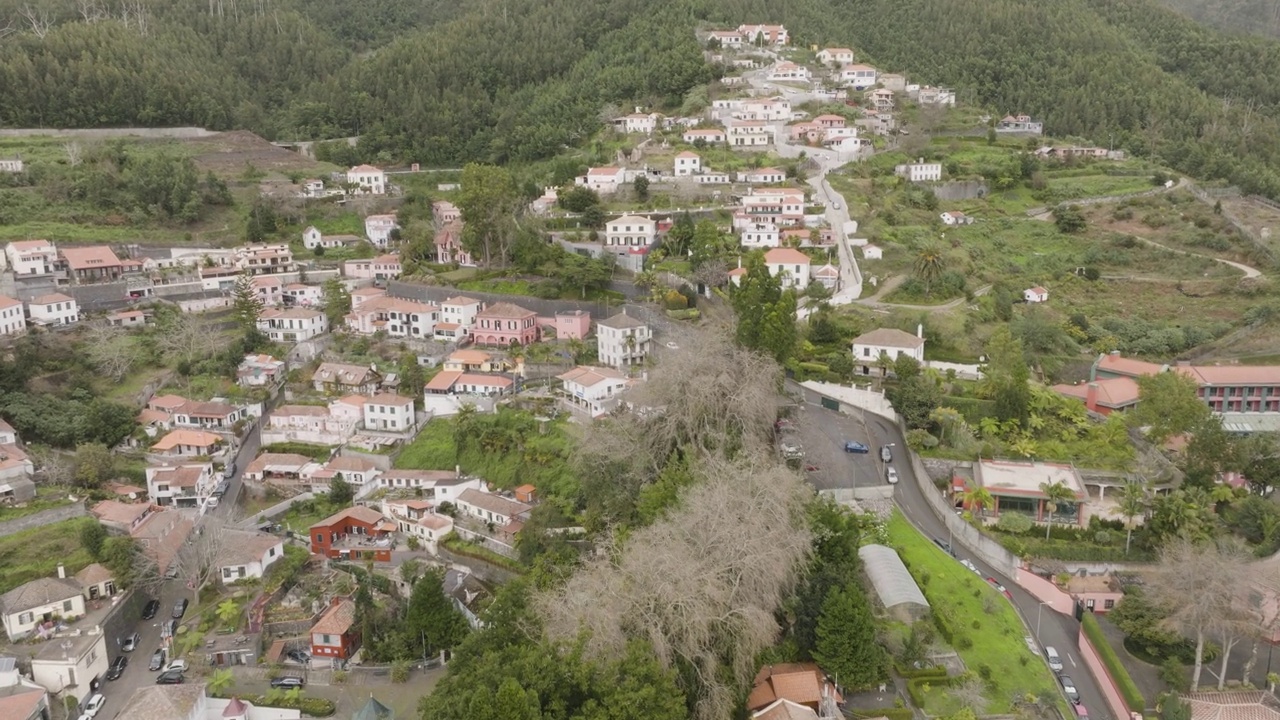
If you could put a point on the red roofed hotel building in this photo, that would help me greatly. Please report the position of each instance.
(504, 323)
(1224, 388)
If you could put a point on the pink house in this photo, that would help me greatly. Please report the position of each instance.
(449, 245)
(504, 323)
(829, 121)
(573, 325)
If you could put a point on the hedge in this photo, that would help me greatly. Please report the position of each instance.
(914, 686)
(931, 671)
(313, 706)
(1132, 696)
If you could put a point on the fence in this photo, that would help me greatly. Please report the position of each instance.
(44, 517)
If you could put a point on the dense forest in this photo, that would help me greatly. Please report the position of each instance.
(1258, 17)
(517, 80)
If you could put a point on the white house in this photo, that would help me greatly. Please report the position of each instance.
(490, 508)
(312, 238)
(761, 235)
(1035, 295)
(688, 163)
(828, 276)
(457, 317)
(631, 231)
(378, 229)
(26, 606)
(247, 555)
(708, 136)
(764, 34)
(937, 97)
(368, 180)
(398, 317)
(622, 341)
(872, 252)
(789, 71)
(763, 176)
(777, 109)
(72, 663)
(594, 390)
(53, 309)
(781, 206)
(31, 257)
(292, 324)
(890, 342)
(726, 38)
(1020, 124)
(357, 472)
(311, 423)
(300, 295)
(919, 171)
(637, 122)
(604, 180)
(955, 217)
(841, 56)
(11, 165)
(259, 371)
(387, 411)
(789, 264)
(750, 133)
(12, 318)
(187, 485)
(858, 77)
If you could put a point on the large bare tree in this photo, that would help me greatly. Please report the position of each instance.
(112, 350)
(198, 560)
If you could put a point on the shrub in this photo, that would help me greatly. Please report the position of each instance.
(984, 671)
(339, 677)
(1014, 523)
(400, 671)
(964, 643)
(313, 706)
(1132, 696)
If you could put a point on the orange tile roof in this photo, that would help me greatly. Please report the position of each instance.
(193, 438)
(89, 258)
(444, 381)
(1127, 366)
(50, 299)
(505, 310)
(786, 256)
(469, 357)
(337, 620)
(360, 513)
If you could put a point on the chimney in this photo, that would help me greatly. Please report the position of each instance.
(920, 330)
(1091, 396)
(62, 571)
(457, 469)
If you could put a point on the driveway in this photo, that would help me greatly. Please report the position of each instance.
(136, 675)
(823, 434)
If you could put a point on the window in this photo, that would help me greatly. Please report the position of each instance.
(319, 537)
(66, 606)
(1108, 604)
(25, 618)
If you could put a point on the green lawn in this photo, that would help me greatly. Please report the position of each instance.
(976, 612)
(301, 516)
(47, 497)
(36, 553)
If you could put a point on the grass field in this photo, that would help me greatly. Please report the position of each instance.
(977, 612)
(36, 553)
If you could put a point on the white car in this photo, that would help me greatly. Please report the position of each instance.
(892, 476)
(969, 564)
(179, 665)
(94, 706)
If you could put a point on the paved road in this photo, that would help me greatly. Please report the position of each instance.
(1050, 627)
(136, 675)
(228, 504)
(823, 437)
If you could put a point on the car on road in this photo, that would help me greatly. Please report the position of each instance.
(851, 446)
(178, 665)
(1003, 591)
(150, 610)
(969, 564)
(885, 454)
(169, 628)
(229, 471)
(298, 656)
(157, 660)
(117, 667)
(94, 706)
(287, 682)
(180, 608)
(129, 643)
(1069, 689)
(946, 546)
(1055, 661)
(891, 474)
(172, 677)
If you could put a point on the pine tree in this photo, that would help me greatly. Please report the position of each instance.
(846, 639)
(431, 622)
(246, 305)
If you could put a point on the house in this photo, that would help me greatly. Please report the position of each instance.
(457, 316)
(260, 371)
(764, 34)
(776, 109)
(473, 361)
(784, 709)
(8, 435)
(506, 324)
(120, 319)
(764, 176)
(188, 485)
(623, 341)
(637, 123)
(12, 318)
(264, 259)
(936, 97)
(470, 596)
(872, 252)
(440, 393)
(397, 317)
(569, 324)
(828, 276)
(40, 601)
(750, 133)
(449, 247)
(789, 71)
(190, 701)
(179, 443)
(1104, 395)
(335, 636)
(444, 212)
(31, 257)
(706, 136)
(604, 180)
(1035, 295)
(53, 309)
(312, 238)
(726, 38)
(858, 77)
(430, 528)
(687, 163)
(1016, 487)
(1019, 124)
(760, 235)
(247, 555)
(355, 471)
(72, 664)
(313, 188)
(91, 264)
(16, 470)
(301, 295)
(778, 206)
(889, 342)
(356, 533)
(801, 683)
(378, 229)
(11, 165)
(789, 264)
(839, 56)
(594, 390)
(881, 99)
(387, 411)
(631, 231)
(830, 122)
(310, 424)
(490, 508)
(207, 415)
(919, 171)
(549, 198)
(293, 324)
(161, 535)
(955, 217)
(122, 516)
(1097, 593)
(279, 466)
(96, 581)
(387, 267)
(20, 699)
(808, 132)
(1240, 392)
(368, 180)
(340, 378)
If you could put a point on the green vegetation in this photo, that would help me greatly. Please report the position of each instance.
(36, 553)
(319, 453)
(469, 549)
(1132, 696)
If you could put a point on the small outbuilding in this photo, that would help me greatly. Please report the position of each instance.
(897, 590)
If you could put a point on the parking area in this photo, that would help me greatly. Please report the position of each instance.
(823, 434)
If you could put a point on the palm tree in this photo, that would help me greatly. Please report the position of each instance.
(1133, 502)
(980, 499)
(1055, 494)
(929, 265)
(884, 363)
(221, 681)
(228, 610)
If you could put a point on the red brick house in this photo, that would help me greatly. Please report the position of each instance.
(504, 323)
(357, 533)
(335, 637)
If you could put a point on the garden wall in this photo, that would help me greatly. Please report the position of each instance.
(1115, 701)
(42, 518)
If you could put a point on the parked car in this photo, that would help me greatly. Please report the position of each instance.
(969, 564)
(150, 610)
(170, 678)
(946, 546)
(117, 667)
(94, 706)
(178, 665)
(169, 629)
(885, 454)
(1002, 589)
(129, 643)
(298, 656)
(180, 608)
(1055, 661)
(851, 446)
(287, 682)
(891, 474)
(229, 471)
(1069, 689)
(157, 660)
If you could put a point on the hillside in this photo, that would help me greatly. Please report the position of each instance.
(517, 80)
(1257, 17)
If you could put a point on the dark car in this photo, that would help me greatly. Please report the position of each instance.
(169, 628)
(173, 677)
(298, 656)
(117, 667)
(856, 447)
(945, 546)
(886, 455)
(129, 643)
(1069, 688)
(287, 682)
(180, 608)
(150, 610)
(157, 660)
